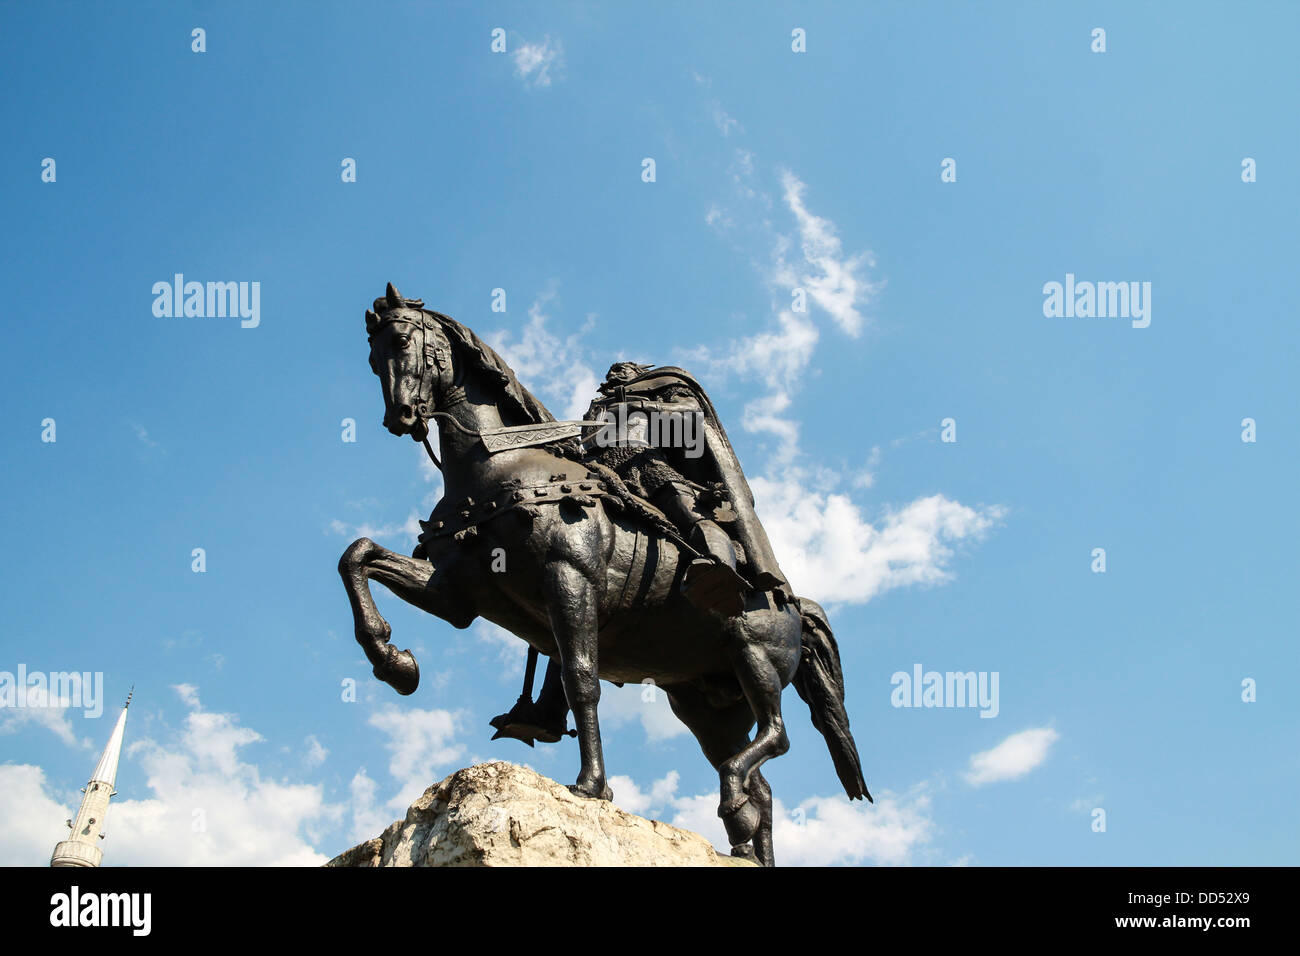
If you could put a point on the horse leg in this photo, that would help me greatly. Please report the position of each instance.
(762, 684)
(761, 794)
(409, 579)
(722, 733)
(571, 606)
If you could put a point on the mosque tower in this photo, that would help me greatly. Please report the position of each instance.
(81, 848)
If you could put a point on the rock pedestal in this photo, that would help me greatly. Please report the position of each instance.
(501, 814)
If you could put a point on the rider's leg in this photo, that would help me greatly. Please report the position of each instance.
(711, 582)
(551, 702)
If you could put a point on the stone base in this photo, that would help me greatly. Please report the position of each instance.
(501, 814)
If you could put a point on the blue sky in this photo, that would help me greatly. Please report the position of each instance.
(819, 170)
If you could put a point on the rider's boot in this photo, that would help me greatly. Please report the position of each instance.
(711, 582)
(545, 720)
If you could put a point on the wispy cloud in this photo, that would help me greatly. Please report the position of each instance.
(828, 547)
(836, 283)
(143, 435)
(46, 710)
(556, 368)
(315, 752)
(189, 695)
(535, 63)
(1013, 758)
(508, 650)
(806, 254)
(408, 529)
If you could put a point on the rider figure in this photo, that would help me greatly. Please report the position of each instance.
(695, 480)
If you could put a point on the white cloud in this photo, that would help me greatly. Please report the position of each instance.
(535, 61)
(44, 710)
(831, 553)
(778, 358)
(315, 753)
(409, 530)
(634, 800)
(423, 749)
(866, 478)
(826, 545)
(820, 831)
(725, 123)
(1013, 758)
(828, 831)
(834, 281)
(31, 821)
(209, 806)
(368, 818)
(635, 702)
(510, 651)
(189, 695)
(556, 369)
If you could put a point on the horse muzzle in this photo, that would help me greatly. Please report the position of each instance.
(403, 420)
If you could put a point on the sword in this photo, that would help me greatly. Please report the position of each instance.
(524, 436)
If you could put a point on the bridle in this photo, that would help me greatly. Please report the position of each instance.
(440, 384)
(441, 387)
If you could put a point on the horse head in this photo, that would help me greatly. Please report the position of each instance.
(412, 356)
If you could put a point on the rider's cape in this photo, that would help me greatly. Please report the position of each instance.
(716, 467)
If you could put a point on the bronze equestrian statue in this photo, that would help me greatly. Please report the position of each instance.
(621, 560)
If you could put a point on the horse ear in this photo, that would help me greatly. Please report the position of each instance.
(394, 297)
(372, 320)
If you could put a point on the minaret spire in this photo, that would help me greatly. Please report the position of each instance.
(82, 846)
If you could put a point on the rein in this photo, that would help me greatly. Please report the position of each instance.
(493, 439)
(451, 418)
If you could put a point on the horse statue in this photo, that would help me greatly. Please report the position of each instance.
(551, 538)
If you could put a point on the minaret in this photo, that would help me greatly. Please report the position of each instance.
(82, 847)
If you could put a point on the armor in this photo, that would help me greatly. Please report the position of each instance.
(702, 489)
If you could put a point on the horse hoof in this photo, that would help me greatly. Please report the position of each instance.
(741, 822)
(400, 672)
(580, 791)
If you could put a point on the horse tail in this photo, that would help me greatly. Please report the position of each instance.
(820, 683)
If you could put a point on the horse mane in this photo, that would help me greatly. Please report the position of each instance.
(516, 402)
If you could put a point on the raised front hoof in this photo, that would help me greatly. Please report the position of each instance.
(741, 821)
(713, 587)
(399, 671)
(579, 790)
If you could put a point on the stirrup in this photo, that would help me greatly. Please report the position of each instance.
(525, 723)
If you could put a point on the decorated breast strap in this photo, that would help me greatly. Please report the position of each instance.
(463, 520)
